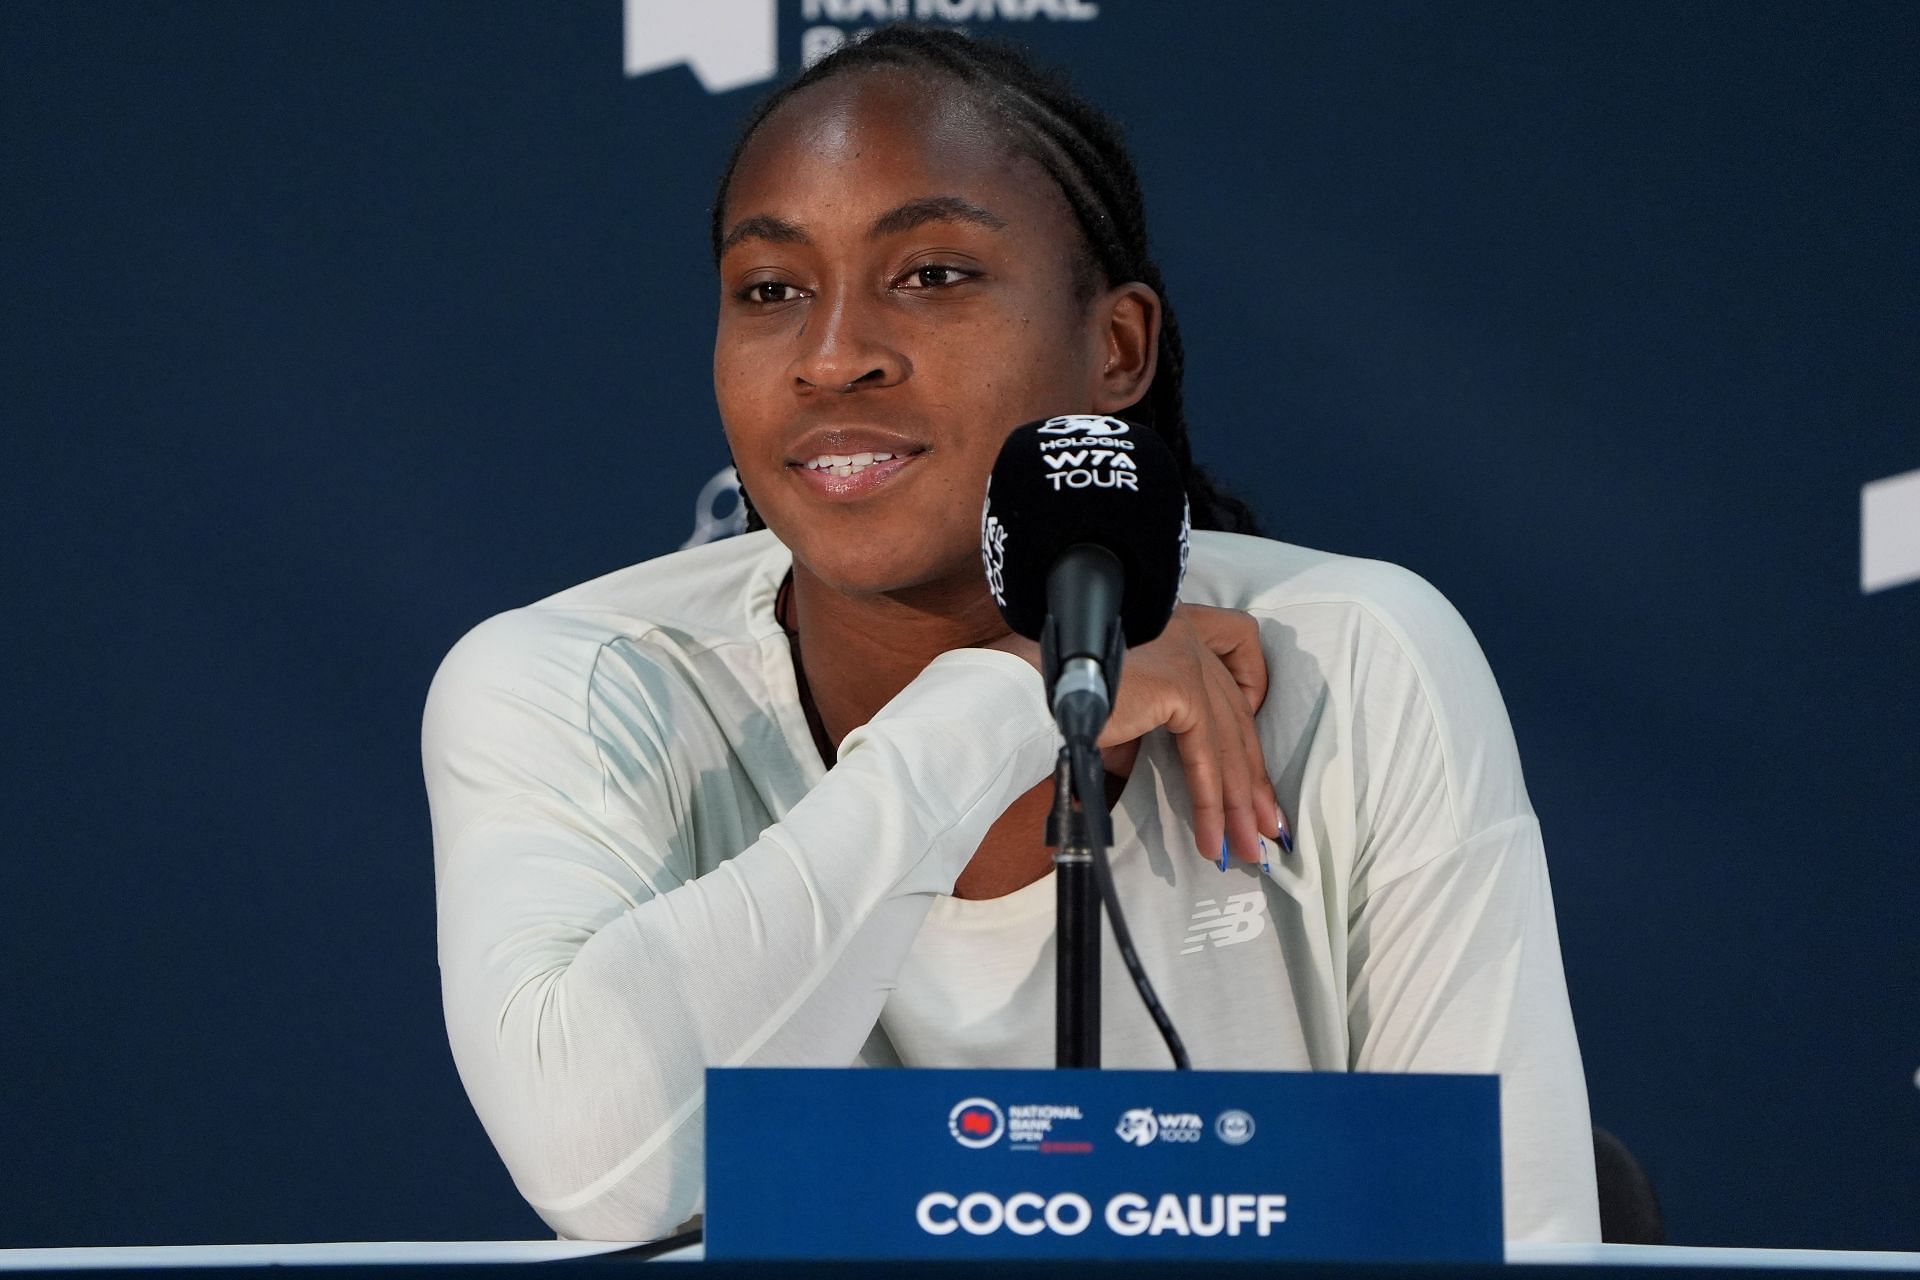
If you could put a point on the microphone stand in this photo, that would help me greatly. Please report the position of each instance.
(1079, 829)
(1070, 832)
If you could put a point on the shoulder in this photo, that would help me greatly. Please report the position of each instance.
(543, 655)
(1261, 576)
(1384, 641)
(585, 691)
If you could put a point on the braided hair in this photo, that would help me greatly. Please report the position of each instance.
(1085, 153)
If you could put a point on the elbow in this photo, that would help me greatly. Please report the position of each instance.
(639, 1195)
(600, 1144)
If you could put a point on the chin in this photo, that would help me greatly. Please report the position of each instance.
(866, 570)
(882, 561)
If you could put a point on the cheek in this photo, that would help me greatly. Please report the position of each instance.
(1028, 381)
(1021, 357)
(741, 392)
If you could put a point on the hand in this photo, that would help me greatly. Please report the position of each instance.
(1203, 679)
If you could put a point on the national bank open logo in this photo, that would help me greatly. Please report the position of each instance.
(730, 44)
(1049, 1128)
(976, 1122)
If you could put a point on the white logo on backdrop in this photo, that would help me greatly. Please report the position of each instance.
(709, 524)
(1890, 532)
(729, 44)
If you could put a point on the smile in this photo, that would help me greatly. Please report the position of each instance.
(845, 464)
(846, 477)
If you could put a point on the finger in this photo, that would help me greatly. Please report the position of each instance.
(1265, 807)
(1239, 634)
(1241, 780)
(1192, 726)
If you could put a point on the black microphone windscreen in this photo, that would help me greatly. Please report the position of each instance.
(1077, 480)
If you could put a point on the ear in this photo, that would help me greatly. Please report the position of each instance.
(1124, 325)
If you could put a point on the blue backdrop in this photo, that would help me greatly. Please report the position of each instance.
(331, 329)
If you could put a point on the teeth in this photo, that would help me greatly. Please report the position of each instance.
(845, 464)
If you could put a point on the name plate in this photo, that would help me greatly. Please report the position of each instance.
(961, 1164)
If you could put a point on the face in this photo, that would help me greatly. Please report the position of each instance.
(896, 295)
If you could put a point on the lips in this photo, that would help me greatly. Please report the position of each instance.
(845, 463)
(845, 483)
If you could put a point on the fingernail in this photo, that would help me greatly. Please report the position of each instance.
(1263, 857)
(1223, 855)
(1285, 837)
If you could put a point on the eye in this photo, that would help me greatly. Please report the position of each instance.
(934, 275)
(769, 291)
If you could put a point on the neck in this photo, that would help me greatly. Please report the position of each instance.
(856, 651)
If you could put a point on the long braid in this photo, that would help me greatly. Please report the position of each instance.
(1086, 155)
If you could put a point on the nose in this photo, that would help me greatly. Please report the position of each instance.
(844, 346)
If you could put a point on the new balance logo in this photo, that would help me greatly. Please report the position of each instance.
(1241, 918)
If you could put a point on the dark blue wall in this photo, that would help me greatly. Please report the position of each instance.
(331, 329)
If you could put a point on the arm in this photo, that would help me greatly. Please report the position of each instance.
(1455, 967)
(1453, 956)
(589, 977)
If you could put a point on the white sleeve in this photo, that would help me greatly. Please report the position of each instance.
(1453, 960)
(1455, 967)
(589, 978)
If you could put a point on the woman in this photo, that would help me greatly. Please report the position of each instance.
(778, 800)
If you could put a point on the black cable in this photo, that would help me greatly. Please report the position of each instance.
(654, 1248)
(1090, 778)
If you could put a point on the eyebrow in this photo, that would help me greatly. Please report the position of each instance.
(906, 217)
(933, 209)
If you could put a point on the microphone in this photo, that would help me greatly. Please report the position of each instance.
(1084, 537)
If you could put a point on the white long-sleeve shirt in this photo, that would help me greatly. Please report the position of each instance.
(643, 869)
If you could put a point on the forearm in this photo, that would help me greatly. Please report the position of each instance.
(583, 1024)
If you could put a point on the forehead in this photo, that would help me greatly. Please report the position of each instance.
(863, 142)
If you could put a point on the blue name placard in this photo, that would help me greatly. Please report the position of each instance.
(926, 1164)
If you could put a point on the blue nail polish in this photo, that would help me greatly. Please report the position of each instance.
(1285, 837)
(1223, 855)
(1264, 866)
